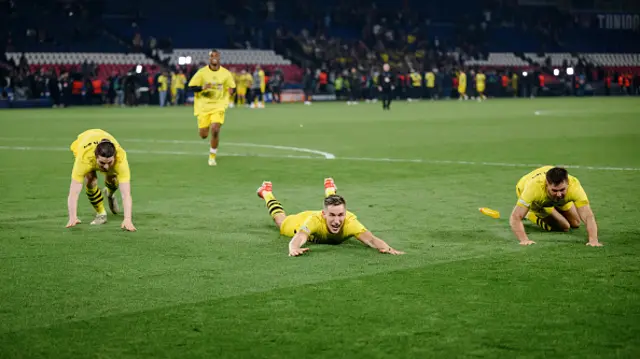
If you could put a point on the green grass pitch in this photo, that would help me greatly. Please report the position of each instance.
(207, 274)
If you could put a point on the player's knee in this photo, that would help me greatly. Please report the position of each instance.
(203, 132)
(91, 180)
(215, 129)
(574, 223)
(110, 179)
(564, 226)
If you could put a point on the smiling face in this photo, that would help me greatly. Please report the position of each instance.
(334, 215)
(334, 212)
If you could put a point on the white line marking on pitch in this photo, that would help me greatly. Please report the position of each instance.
(369, 159)
(327, 155)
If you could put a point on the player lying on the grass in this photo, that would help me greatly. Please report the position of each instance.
(96, 150)
(555, 201)
(332, 225)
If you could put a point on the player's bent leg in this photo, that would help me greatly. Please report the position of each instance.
(111, 183)
(215, 140)
(571, 215)
(276, 211)
(203, 132)
(329, 187)
(555, 221)
(95, 198)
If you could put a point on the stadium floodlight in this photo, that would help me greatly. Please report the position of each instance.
(188, 60)
(556, 72)
(182, 60)
(139, 69)
(569, 71)
(524, 73)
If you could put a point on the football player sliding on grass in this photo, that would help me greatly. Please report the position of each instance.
(555, 201)
(332, 225)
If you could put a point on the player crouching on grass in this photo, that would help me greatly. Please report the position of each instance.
(96, 150)
(332, 225)
(555, 201)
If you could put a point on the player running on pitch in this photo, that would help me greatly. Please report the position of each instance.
(96, 150)
(332, 225)
(212, 85)
(555, 201)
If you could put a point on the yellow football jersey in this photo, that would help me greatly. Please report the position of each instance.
(84, 148)
(216, 97)
(480, 80)
(532, 192)
(245, 80)
(416, 79)
(180, 80)
(314, 224)
(462, 80)
(431, 79)
(162, 83)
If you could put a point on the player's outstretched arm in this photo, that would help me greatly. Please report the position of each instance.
(72, 203)
(296, 243)
(518, 227)
(586, 214)
(374, 242)
(127, 203)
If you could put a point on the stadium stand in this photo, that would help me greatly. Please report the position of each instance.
(104, 39)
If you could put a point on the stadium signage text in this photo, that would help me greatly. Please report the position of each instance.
(619, 21)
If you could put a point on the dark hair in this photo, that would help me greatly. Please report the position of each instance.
(213, 50)
(105, 149)
(557, 175)
(334, 200)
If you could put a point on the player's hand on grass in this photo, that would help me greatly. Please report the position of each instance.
(390, 251)
(128, 225)
(73, 223)
(594, 244)
(527, 242)
(294, 252)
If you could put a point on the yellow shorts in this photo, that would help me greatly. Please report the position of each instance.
(546, 211)
(291, 223)
(206, 119)
(241, 91)
(480, 89)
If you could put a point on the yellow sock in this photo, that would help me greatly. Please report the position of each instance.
(273, 206)
(212, 153)
(268, 196)
(537, 220)
(96, 199)
(329, 191)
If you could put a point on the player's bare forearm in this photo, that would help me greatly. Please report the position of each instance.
(586, 214)
(232, 91)
(374, 242)
(515, 221)
(296, 243)
(72, 200)
(127, 202)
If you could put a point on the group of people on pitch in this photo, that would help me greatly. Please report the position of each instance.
(547, 196)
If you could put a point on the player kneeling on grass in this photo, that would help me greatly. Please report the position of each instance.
(96, 150)
(555, 201)
(333, 225)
